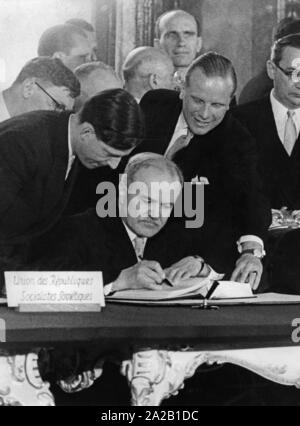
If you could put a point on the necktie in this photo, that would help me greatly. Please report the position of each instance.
(290, 133)
(139, 245)
(180, 143)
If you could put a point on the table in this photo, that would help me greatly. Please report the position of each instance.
(160, 346)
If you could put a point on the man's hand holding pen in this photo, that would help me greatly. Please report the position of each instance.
(149, 275)
(145, 274)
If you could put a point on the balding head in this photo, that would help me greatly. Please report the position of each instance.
(147, 68)
(178, 33)
(95, 77)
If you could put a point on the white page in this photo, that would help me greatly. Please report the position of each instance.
(186, 289)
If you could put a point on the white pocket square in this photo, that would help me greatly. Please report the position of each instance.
(202, 179)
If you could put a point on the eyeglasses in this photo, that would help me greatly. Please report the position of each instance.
(57, 105)
(291, 75)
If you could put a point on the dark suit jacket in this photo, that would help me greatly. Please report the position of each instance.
(279, 172)
(33, 164)
(256, 88)
(87, 242)
(281, 178)
(83, 195)
(226, 156)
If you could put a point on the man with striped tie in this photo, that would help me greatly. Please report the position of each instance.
(274, 121)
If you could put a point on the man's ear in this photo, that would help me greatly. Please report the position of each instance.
(182, 93)
(199, 44)
(153, 81)
(28, 87)
(270, 69)
(156, 43)
(59, 55)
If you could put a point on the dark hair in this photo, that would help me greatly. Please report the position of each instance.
(213, 64)
(292, 40)
(59, 38)
(286, 27)
(116, 118)
(50, 70)
(81, 23)
(158, 21)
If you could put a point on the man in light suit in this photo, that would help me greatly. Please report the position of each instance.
(196, 130)
(274, 121)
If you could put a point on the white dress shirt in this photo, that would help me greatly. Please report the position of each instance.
(280, 116)
(4, 114)
(71, 156)
(180, 130)
(132, 236)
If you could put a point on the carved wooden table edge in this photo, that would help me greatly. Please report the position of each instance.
(154, 375)
(21, 383)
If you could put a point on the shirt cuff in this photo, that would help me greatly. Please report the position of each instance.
(250, 238)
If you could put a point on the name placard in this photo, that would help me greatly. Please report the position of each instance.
(54, 291)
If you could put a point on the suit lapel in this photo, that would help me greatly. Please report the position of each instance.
(171, 121)
(55, 183)
(123, 253)
(160, 132)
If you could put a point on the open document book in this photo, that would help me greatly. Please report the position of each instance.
(194, 288)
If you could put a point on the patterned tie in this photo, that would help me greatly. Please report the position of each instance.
(290, 133)
(139, 245)
(180, 143)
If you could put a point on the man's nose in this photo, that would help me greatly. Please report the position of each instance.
(205, 111)
(297, 83)
(181, 39)
(153, 211)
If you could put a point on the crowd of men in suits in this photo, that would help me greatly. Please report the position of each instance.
(52, 156)
(68, 123)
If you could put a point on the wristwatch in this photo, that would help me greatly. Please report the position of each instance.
(260, 254)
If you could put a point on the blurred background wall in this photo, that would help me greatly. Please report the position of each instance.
(239, 29)
(21, 24)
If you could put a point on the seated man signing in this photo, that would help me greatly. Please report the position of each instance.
(129, 244)
(159, 183)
